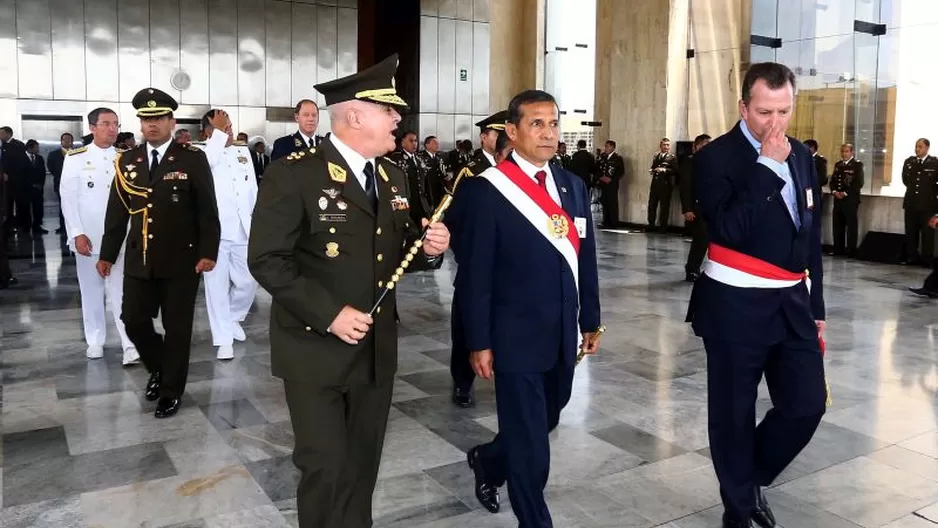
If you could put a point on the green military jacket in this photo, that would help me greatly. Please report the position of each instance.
(316, 246)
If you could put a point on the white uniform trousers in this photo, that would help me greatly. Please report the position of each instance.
(229, 291)
(94, 289)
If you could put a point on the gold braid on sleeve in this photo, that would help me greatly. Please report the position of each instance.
(124, 186)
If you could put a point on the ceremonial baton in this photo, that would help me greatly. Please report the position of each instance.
(415, 248)
(592, 339)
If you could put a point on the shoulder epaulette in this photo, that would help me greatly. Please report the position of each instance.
(190, 146)
(78, 150)
(240, 143)
(200, 143)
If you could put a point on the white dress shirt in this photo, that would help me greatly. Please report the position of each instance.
(530, 169)
(356, 162)
(160, 152)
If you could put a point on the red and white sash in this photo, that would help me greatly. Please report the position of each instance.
(745, 271)
(538, 208)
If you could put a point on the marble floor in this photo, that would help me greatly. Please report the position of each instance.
(80, 447)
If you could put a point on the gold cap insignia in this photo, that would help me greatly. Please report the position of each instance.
(151, 103)
(336, 173)
(332, 250)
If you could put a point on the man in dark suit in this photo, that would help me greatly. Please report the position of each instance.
(846, 184)
(920, 177)
(55, 162)
(306, 115)
(6, 276)
(529, 290)
(820, 165)
(17, 166)
(611, 172)
(165, 192)
(753, 304)
(37, 186)
(260, 159)
(663, 174)
(436, 169)
(698, 245)
(583, 164)
(329, 229)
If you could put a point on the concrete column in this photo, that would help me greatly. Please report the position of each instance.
(646, 88)
(517, 40)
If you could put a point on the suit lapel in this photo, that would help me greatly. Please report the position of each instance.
(352, 191)
(567, 201)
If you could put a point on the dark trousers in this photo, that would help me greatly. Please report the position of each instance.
(610, 202)
(529, 406)
(61, 216)
(846, 227)
(931, 282)
(23, 203)
(916, 230)
(745, 455)
(339, 435)
(659, 201)
(37, 204)
(175, 300)
(5, 273)
(459, 366)
(698, 246)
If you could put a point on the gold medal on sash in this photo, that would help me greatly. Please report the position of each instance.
(558, 226)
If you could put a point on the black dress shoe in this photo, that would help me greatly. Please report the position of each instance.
(167, 407)
(924, 293)
(763, 515)
(730, 521)
(486, 492)
(153, 387)
(463, 398)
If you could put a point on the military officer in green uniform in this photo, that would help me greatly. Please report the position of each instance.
(489, 128)
(165, 191)
(328, 230)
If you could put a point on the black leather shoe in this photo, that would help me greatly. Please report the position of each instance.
(167, 407)
(922, 292)
(763, 515)
(153, 387)
(486, 492)
(463, 398)
(730, 521)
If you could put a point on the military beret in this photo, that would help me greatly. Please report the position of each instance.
(374, 84)
(151, 102)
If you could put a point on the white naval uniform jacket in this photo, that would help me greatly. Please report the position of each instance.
(235, 185)
(87, 176)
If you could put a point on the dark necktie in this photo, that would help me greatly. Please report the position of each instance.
(156, 161)
(541, 178)
(370, 191)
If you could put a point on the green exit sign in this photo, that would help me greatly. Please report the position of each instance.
(463, 75)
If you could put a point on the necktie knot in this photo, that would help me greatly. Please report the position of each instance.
(541, 178)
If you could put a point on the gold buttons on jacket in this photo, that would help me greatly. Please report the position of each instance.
(378, 232)
(379, 309)
(332, 230)
(149, 220)
(150, 237)
(381, 284)
(309, 329)
(380, 257)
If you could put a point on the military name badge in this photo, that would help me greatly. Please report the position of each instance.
(399, 203)
(809, 198)
(580, 223)
(558, 226)
(332, 217)
(337, 173)
(323, 203)
(332, 250)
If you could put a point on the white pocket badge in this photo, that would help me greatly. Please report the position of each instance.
(809, 198)
(580, 223)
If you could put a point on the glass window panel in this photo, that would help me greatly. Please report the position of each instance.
(867, 134)
(868, 10)
(764, 17)
(762, 54)
(833, 17)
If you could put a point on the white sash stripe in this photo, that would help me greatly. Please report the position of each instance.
(536, 216)
(741, 279)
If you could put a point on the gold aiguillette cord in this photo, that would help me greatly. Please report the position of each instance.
(133, 190)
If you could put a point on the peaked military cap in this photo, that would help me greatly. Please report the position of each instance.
(151, 102)
(495, 121)
(374, 84)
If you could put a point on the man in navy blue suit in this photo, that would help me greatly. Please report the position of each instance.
(759, 304)
(529, 299)
(306, 115)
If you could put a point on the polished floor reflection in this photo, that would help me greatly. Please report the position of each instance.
(81, 447)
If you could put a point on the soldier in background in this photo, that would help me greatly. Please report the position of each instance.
(698, 245)
(663, 173)
(484, 157)
(562, 159)
(920, 177)
(611, 171)
(54, 163)
(436, 168)
(229, 288)
(820, 165)
(183, 136)
(410, 164)
(163, 190)
(87, 176)
(306, 115)
(845, 185)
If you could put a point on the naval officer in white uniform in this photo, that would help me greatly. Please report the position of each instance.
(87, 176)
(230, 287)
